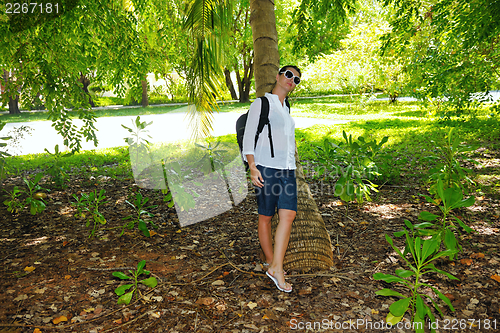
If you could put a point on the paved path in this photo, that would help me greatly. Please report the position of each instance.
(166, 127)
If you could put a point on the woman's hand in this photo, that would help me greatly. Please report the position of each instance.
(256, 177)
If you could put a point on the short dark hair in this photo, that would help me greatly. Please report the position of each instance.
(284, 68)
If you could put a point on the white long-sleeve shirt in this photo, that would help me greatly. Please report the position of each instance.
(282, 132)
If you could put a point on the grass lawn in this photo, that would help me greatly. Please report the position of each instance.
(410, 130)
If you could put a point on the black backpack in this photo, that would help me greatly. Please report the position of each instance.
(263, 120)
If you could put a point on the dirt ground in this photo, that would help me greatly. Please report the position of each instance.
(210, 277)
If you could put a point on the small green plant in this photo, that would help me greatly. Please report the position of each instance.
(423, 253)
(448, 168)
(442, 227)
(57, 170)
(13, 203)
(89, 204)
(125, 298)
(34, 199)
(140, 209)
(353, 162)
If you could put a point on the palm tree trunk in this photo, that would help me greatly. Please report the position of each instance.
(310, 245)
(265, 45)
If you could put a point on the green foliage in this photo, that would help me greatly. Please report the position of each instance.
(58, 171)
(423, 253)
(353, 163)
(150, 282)
(448, 169)
(320, 24)
(13, 203)
(88, 203)
(182, 196)
(32, 200)
(449, 51)
(3, 154)
(140, 209)
(442, 228)
(138, 133)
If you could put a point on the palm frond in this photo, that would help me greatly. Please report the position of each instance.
(208, 21)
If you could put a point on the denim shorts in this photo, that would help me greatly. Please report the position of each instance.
(279, 191)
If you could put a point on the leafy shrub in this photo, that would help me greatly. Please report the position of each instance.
(89, 204)
(423, 253)
(352, 163)
(125, 298)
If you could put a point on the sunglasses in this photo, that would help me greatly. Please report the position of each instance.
(289, 74)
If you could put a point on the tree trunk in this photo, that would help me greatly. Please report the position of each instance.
(229, 83)
(13, 101)
(265, 45)
(247, 82)
(14, 105)
(309, 245)
(145, 100)
(84, 80)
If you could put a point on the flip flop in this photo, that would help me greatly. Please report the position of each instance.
(275, 280)
(267, 265)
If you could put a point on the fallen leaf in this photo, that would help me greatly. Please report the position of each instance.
(40, 290)
(374, 311)
(364, 222)
(152, 233)
(59, 319)
(225, 273)
(218, 283)
(67, 277)
(251, 305)
(251, 326)
(467, 262)
(65, 243)
(477, 255)
(29, 269)
(21, 298)
(232, 243)
(496, 278)
(37, 330)
(205, 301)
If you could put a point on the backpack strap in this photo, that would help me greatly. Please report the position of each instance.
(264, 117)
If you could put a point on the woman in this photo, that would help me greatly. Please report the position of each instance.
(274, 177)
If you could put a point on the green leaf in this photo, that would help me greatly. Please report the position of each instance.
(420, 307)
(125, 299)
(449, 240)
(463, 225)
(389, 292)
(429, 247)
(121, 275)
(140, 267)
(432, 267)
(419, 322)
(400, 307)
(404, 273)
(150, 282)
(122, 289)
(426, 216)
(443, 298)
(387, 277)
(142, 227)
(393, 320)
